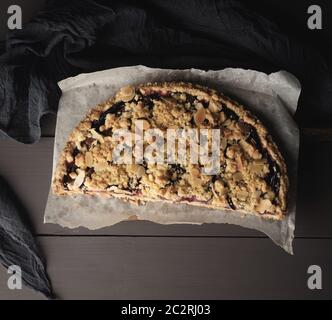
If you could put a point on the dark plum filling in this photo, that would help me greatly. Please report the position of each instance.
(147, 100)
(87, 142)
(154, 96)
(116, 109)
(205, 103)
(133, 185)
(67, 180)
(230, 203)
(273, 177)
(89, 172)
(71, 167)
(191, 99)
(96, 125)
(75, 152)
(192, 199)
(230, 114)
(254, 140)
(175, 168)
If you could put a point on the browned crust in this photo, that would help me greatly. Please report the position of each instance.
(202, 93)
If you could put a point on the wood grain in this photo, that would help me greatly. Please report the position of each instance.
(317, 134)
(28, 169)
(179, 268)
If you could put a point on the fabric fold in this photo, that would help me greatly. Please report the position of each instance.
(17, 244)
(70, 37)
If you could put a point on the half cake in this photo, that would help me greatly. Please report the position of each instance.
(252, 176)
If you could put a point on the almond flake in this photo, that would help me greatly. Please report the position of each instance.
(127, 93)
(79, 179)
(199, 116)
(97, 136)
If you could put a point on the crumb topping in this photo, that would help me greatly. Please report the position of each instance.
(252, 173)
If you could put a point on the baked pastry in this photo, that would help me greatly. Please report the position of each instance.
(252, 176)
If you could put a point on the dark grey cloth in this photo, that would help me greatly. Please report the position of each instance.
(69, 37)
(17, 245)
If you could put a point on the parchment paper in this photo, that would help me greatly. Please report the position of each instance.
(272, 97)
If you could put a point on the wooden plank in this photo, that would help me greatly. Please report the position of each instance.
(317, 134)
(314, 189)
(180, 268)
(28, 169)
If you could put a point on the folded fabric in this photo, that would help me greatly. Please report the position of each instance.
(17, 245)
(70, 37)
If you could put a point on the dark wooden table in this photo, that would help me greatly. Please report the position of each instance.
(143, 260)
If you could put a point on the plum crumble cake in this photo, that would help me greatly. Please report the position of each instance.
(252, 176)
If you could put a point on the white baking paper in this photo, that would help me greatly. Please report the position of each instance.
(273, 98)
